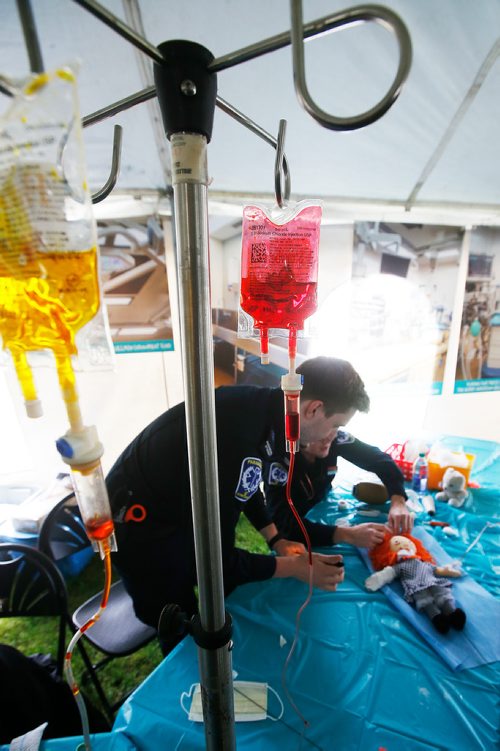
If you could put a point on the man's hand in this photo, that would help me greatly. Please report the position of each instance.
(400, 518)
(361, 535)
(326, 571)
(289, 547)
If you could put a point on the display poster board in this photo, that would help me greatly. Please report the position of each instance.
(392, 318)
(478, 360)
(135, 286)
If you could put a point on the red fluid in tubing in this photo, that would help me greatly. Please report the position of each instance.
(279, 270)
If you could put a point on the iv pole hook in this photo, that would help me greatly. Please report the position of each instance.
(110, 183)
(281, 172)
(350, 17)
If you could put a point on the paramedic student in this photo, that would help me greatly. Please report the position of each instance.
(156, 556)
(316, 465)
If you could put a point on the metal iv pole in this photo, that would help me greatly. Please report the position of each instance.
(186, 92)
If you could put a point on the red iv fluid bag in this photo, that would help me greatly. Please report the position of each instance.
(279, 267)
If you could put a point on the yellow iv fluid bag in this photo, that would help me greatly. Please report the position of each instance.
(48, 244)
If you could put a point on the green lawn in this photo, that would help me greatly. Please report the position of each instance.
(120, 676)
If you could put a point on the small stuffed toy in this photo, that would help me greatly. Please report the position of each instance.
(453, 488)
(404, 557)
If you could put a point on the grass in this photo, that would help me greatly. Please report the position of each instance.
(122, 675)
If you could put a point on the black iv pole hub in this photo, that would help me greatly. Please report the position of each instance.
(186, 89)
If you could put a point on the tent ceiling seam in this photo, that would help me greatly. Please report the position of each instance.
(456, 120)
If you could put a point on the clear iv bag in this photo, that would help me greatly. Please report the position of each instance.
(49, 287)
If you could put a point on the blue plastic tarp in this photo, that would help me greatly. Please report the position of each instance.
(479, 642)
(361, 675)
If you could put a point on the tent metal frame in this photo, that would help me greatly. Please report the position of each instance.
(192, 249)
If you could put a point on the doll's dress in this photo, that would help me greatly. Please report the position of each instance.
(416, 575)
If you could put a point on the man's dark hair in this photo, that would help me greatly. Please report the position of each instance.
(335, 383)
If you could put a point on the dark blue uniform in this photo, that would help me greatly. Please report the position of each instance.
(156, 556)
(311, 484)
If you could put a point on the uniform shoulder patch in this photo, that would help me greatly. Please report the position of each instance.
(344, 437)
(278, 474)
(250, 477)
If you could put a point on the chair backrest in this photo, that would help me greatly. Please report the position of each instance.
(32, 585)
(63, 532)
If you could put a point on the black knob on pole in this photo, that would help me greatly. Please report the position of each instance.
(186, 89)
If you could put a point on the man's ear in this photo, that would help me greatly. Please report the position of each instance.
(311, 408)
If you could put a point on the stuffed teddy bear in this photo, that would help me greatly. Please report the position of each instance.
(453, 485)
(423, 582)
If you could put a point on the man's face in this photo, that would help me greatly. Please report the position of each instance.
(317, 432)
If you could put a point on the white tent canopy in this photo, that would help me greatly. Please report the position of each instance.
(435, 156)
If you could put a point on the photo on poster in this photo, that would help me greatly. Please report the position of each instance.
(134, 285)
(392, 318)
(478, 361)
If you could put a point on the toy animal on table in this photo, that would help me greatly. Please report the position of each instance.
(453, 488)
(423, 581)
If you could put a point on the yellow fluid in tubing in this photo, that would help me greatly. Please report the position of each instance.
(46, 296)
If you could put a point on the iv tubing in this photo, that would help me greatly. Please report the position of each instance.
(69, 392)
(309, 594)
(68, 670)
(291, 384)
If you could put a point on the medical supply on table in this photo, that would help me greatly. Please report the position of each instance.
(250, 702)
(414, 502)
(440, 458)
(401, 455)
(420, 473)
(429, 505)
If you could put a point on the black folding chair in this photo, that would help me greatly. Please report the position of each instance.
(31, 585)
(118, 632)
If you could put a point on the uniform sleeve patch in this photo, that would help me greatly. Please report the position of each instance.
(344, 437)
(250, 477)
(278, 474)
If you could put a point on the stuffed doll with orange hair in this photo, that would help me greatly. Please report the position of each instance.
(404, 557)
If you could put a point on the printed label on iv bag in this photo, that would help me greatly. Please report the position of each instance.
(279, 265)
